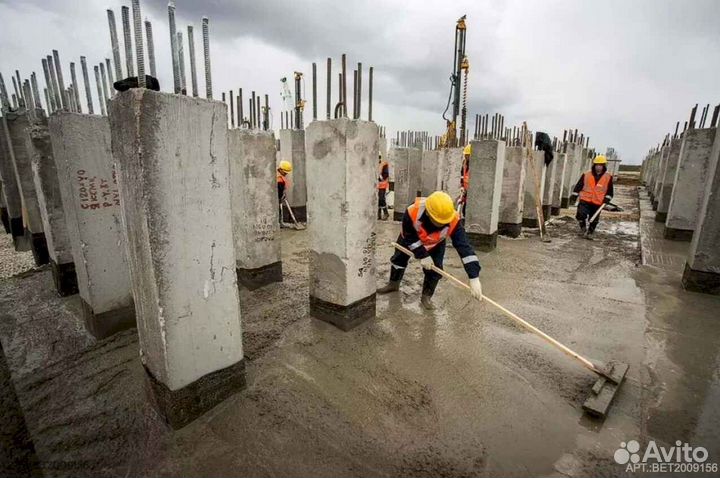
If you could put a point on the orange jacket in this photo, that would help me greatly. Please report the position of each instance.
(592, 192)
(428, 239)
(383, 181)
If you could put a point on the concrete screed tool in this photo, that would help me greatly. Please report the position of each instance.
(610, 375)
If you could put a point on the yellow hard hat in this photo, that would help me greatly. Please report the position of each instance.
(467, 150)
(285, 166)
(600, 159)
(440, 207)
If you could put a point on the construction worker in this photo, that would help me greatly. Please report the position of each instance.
(383, 187)
(283, 183)
(425, 226)
(465, 177)
(594, 188)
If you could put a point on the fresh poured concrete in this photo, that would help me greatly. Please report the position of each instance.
(254, 206)
(457, 392)
(172, 155)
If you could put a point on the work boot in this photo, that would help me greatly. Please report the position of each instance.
(379, 214)
(590, 236)
(391, 286)
(583, 229)
(386, 214)
(426, 302)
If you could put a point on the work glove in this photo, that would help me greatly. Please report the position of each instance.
(427, 263)
(476, 288)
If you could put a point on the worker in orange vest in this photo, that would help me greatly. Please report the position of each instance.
(426, 225)
(383, 187)
(283, 183)
(594, 187)
(465, 176)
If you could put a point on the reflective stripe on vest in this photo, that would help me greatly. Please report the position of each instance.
(428, 239)
(593, 192)
(383, 183)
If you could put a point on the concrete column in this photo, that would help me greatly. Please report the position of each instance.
(659, 174)
(91, 206)
(534, 176)
(549, 185)
(47, 186)
(452, 159)
(513, 193)
(382, 147)
(415, 160)
(16, 126)
(560, 172)
(702, 269)
(10, 191)
(172, 156)
(571, 173)
(430, 172)
(483, 199)
(342, 207)
(254, 207)
(690, 174)
(292, 148)
(401, 187)
(668, 179)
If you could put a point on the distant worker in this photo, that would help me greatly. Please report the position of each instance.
(465, 177)
(383, 187)
(425, 226)
(283, 183)
(595, 187)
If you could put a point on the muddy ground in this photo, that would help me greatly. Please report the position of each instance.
(456, 392)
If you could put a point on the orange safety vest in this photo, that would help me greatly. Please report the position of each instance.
(593, 192)
(283, 180)
(465, 175)
(429, 239)
(383, 183)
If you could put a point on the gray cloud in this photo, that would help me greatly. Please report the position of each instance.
(621, 71)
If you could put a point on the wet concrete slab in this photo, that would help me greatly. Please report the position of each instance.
(460, 391)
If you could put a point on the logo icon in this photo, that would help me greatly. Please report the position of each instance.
(628, 452)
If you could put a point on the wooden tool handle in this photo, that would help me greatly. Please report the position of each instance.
(585, 362)
(602, 206)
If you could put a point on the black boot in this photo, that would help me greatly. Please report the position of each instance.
(391, 286)
(379, 216)
(583, 229)
(426, 301)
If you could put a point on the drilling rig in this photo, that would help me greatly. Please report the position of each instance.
(461, 68)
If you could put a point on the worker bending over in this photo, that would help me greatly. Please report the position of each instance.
(383, 187)
(283, 183)
(594, 187)
(465, 177)
(425, 226)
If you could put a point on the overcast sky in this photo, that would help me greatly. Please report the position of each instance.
(621, 71)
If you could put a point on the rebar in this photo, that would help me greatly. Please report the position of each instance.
(86, 81)
(61, 84)
(114, 43)
(266, 119)
(4, 101)
(314, 90)
(193, 68)
(129, 62)
(99, 88)
(206, 51)
(359, 90)
(55, 87)
(47, 100)
(251, 107)
(343, 83)
(354, 110)
(27, 94)
(258, 112)
(370, 93)
(329, 87)
(716, 111)
(181, 62)
(173, 46)
(150, 48)
(111, 81)
(104, 86)
(241, 118)
(76, 94)
(19, 88)
(139, 48)
(35, 90)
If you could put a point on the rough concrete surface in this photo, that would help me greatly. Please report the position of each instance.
(456, 392)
